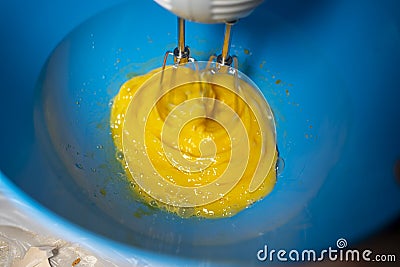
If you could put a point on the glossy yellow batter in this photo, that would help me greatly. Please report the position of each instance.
(191, 145)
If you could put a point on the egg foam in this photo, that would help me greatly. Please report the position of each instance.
(195, 146)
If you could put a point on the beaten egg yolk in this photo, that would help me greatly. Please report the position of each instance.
(191, 146)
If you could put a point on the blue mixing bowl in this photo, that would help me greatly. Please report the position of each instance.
(329, 70)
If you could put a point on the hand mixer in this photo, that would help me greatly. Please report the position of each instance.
(207, 11)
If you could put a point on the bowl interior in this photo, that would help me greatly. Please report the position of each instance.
(332, 88)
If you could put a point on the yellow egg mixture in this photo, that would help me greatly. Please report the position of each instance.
(202, 139)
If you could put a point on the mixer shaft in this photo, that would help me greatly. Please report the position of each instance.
(182, 52)
(225, 58)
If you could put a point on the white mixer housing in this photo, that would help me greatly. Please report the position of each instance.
(210, 11)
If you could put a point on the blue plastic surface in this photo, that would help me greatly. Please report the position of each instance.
(329, 70)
